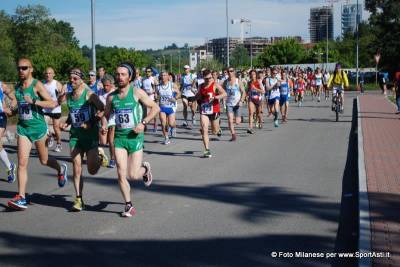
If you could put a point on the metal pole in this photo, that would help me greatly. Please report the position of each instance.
(227, 35)
(376, 73)
(170, 62)
(179, 61)
(357, 36)
(327, 41)
(251, 49)
(93, 38)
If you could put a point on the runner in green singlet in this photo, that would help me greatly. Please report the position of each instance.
(129, 136)
(85, 109)
(32, 97)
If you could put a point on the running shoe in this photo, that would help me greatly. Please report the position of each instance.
(148, 176)
(11, 174)
(78, 204)
(250, 131)
(219, 133)
(103, 157)
(129, 211)
(18, 203)
(185, 124)
(257, 124)
(112, 164)
(62, 176)
(260, 125)
(207, 153)
(166, 141)
(276, 123)
(50, 142)
(58, 148)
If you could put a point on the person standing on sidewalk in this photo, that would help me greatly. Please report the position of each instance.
(397, 90)
(32, 97)
(4, 112)
(129, 132)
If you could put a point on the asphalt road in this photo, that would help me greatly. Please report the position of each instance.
(279, 190)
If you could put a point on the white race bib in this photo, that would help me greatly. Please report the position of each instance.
(25, 111)
(124, 118)
(79, 116)
(207, 108)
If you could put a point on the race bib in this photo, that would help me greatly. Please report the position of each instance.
(25, 111)
(124, 118)
(165, 101)
(79, 116)
(207, 108)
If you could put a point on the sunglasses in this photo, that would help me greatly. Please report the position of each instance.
(22, 68)
(92, 75)
(231, 70)
(74, 78)
(207, 78)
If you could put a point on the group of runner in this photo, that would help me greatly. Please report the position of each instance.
(116, 110)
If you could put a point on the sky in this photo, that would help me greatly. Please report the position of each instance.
(144, 24)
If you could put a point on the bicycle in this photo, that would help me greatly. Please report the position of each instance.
(337, 103)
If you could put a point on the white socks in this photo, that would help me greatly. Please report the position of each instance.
(4, 159)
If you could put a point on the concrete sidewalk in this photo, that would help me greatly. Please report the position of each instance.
(379, 153)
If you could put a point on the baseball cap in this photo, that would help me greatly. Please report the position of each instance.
(186, 67)
(92, 73)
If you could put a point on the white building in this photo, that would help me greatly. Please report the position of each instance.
(197, 56)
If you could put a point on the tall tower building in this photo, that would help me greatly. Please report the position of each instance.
(349, 17)
(321, 24)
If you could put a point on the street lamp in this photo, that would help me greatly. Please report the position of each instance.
(227, 34)
(93, 37)
(357, 36)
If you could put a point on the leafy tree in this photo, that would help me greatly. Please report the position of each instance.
(287, 51)
(385, 27)
(211, 64)
(240, 57)
(7, 64)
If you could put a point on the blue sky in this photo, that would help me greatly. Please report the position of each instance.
(141, 25)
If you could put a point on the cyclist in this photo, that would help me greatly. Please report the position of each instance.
(338, 81)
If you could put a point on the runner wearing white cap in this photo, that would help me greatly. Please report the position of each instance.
(188, 93)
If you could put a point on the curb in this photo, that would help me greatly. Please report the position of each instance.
(364, 227)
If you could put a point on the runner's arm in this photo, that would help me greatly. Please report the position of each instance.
(243, 98)
(330, 81)
(345, 80)
(221, 92)
(107, 113)
(13, 105)
(150, 104)
(178, 93)
(47, 101)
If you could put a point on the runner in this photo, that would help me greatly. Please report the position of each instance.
(149, 86)
(209, 95)
(94, 84)
(256, 92)
(188, 94)
(32, 97)
(234, 100)
(325, 82)
(272, 86)
(129, 136)
(318, 83)
(338, 81)
(284, 90)
(101, 72)
(137, 82)
(85, 110)
(4, 112)
(108, 88)
(300, 85)
(168, 94)
(54, 88)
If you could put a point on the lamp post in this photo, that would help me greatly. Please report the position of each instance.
(93, 37)
(357, 36)
(227, 34)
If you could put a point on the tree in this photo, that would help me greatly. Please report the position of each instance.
(385, 26)
(7, 64)
(287, 51)
(240, 57)
(211, 64)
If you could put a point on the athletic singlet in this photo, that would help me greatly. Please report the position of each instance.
(137, 83)
(186, 84)
(318, 79)
(300, 84)
(166, 94)
(94, 88)
(80, 112)
(233, 93)
(254, 95)
(273, 93)
(207, 93)
(147, 85)
(284, 88)
(52, 90)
